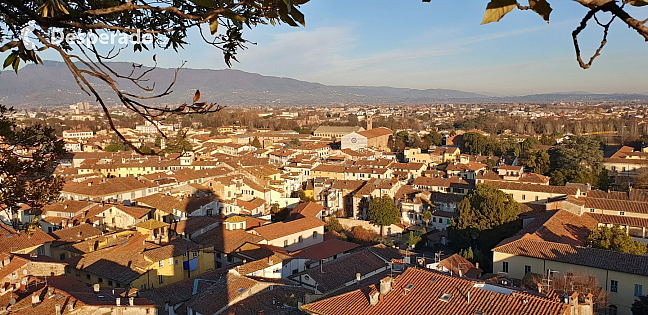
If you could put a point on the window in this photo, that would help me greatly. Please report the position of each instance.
(118, 285)
(434, 219)
(527, 269)
(176, 261)
(301, 239)
(621, 212)
(62, 256)
(592, 210)
(218, 255)
(88, 276)
(613, 310)
(143, 287)
(537, 198)
(100, 280)
(614, 286)
(285, 243)
(110, 283)
(161, 279)
(161, 263)
(195, 254)
(523, 197)
(314, 234)
(638, 290)
(170, 261)
(505, 266)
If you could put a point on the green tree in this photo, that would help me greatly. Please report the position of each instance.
(178, 144)
(28, 156)
(146, 150)
(557, 178)
(413, 239)
(475, 143)
(467, 253)
(640, 306)
(539, 162)
(486, 207)
(433, 138)
(577, 153)
(384, 212)
(113, 147)
(294, 142)
(427, 216)
(256, 143)
(333, 224)
(616, 239)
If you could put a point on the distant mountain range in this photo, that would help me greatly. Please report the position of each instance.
(52, 84)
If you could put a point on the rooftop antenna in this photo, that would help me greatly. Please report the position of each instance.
(548, 279)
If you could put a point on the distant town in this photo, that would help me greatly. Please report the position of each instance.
(452, 208)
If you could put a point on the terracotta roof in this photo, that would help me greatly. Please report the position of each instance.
(123, 263)
(376, 132)
(577, 255)
(424, 297)
(567, 228)
(169, 203)
(133, 211)
(619, 219)
(220, 294)
(618, 195)
(152, 224)
(69, 206)
(17, 241)
(616, 205)
(226, 241)
(278, 301)
(305, 210)
(326, 249)
(335, 273)
(182, 290)
(176, 247)
(260, 264)
(76, 233)
(561, 190)
(105, 187)
(457, 263)
(193, 224)
(281, 229)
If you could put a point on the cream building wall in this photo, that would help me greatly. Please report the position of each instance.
(623, 298)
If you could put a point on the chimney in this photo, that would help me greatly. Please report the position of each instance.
(477, 265)
(57, 307)
(96, 287)
(589, 299)
(374, 298)
(573, 299)
(539, 287)
(385, 285)
(118, 301)
(35, 299)
(131, 301)
(70, 306)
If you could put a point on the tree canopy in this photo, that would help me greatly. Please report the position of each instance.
(486, 207)
(615, 238)
(383, 211)
(28, 156)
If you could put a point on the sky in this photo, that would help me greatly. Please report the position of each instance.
(441, 44)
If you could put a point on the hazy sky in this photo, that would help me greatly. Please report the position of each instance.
(407, 43)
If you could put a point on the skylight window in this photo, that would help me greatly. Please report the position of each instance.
(445, 297)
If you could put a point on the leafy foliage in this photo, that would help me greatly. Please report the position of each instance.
(485, 208)
(413, 239)
(178, 144)
(256, 143)
(333, 224)
(28, 156)
(294, 142)
(616, 239)
(427, 216)
(640, 306)
(577, 153)
(384, 212)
